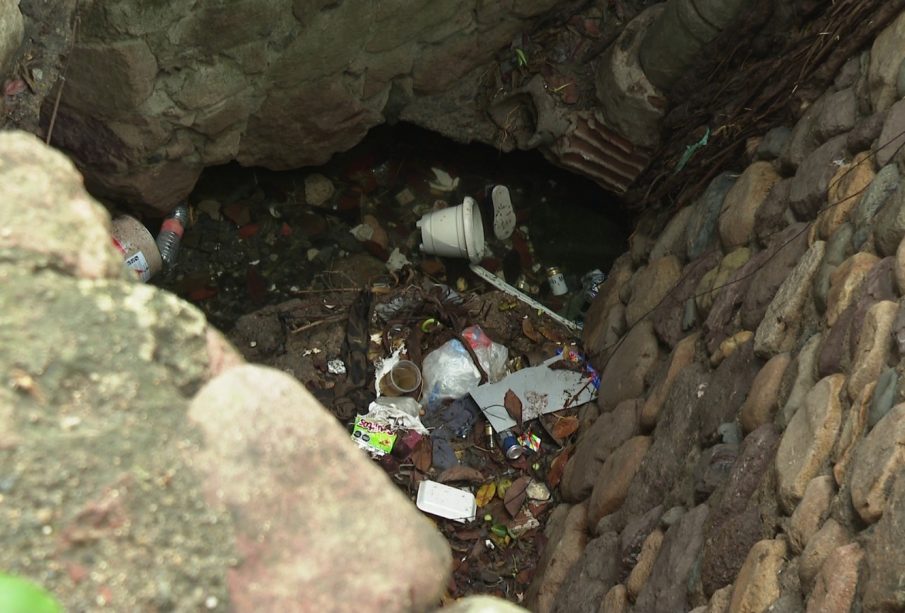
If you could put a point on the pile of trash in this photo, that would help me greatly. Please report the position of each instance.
(476, 431)
(476, 400)
(468, 389)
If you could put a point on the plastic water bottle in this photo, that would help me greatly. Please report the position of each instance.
(171, 232)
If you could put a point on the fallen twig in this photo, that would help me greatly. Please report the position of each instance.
(314, 324)
(56, 102)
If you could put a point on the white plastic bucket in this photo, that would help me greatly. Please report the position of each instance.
(454, 232)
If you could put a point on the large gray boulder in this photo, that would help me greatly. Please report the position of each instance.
(114, 495)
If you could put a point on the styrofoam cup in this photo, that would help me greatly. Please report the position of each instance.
(455, 231)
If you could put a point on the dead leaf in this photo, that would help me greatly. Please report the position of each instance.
(485, 494)
(461, 473)
(554, 335)
(422, 456)
(529, 330)
(503, 486)
(515, 495)
(565, 427)
(557, 466)
(468, 534)
(12, 87)
(513, 406)
(525, 576)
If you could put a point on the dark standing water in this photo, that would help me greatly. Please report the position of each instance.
(256, 241)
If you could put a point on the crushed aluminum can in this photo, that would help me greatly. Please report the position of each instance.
(591, 283)
(336, 367)
(509, 445)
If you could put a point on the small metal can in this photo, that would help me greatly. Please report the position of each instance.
(509, 445)
(488, 431)
(591, 283)
(557, 282)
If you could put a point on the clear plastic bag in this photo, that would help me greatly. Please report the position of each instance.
(449, 372)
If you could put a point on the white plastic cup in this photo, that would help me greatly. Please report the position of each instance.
(404, 378)
(456, 231)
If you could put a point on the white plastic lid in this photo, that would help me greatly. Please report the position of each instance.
(445, 501)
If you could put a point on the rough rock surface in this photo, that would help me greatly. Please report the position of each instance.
(672, 240)
(666, 589)
(567, 537)
(83, 429)
(830, 536)
(874, 347)
(726, 392)
(606, 435)
(722, 318)
(681, 357)
(734, 525)
(591, 576)
(891, 139)
(845, 283)
(671, 317)
(773, 214)
(615, 477)
(809, 439)
(811, 511)
(782, 322)
(844, 193)
(837, 583)
(628, 368)
(828, 487)
(260, 421)
(633, 536)
(650, 286)
(615, 601)
(889, 224)
(605, 319)
(886, 57)
(786, 250)
(716, 279)
(880, 190)
(808, 190)
(674, 437)
(650, 549)
(818, 474)
(757, 585)
(11, 31)
(268, 82)
(736, 224)
(761, 404)
(800, 377)
(104, 473)
(878, 461)
(885, 556)
(703, 222)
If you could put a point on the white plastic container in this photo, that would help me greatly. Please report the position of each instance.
(139, 249)
(445, 501)
(456, 231)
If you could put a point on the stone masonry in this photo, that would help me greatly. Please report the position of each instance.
(797, 503)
